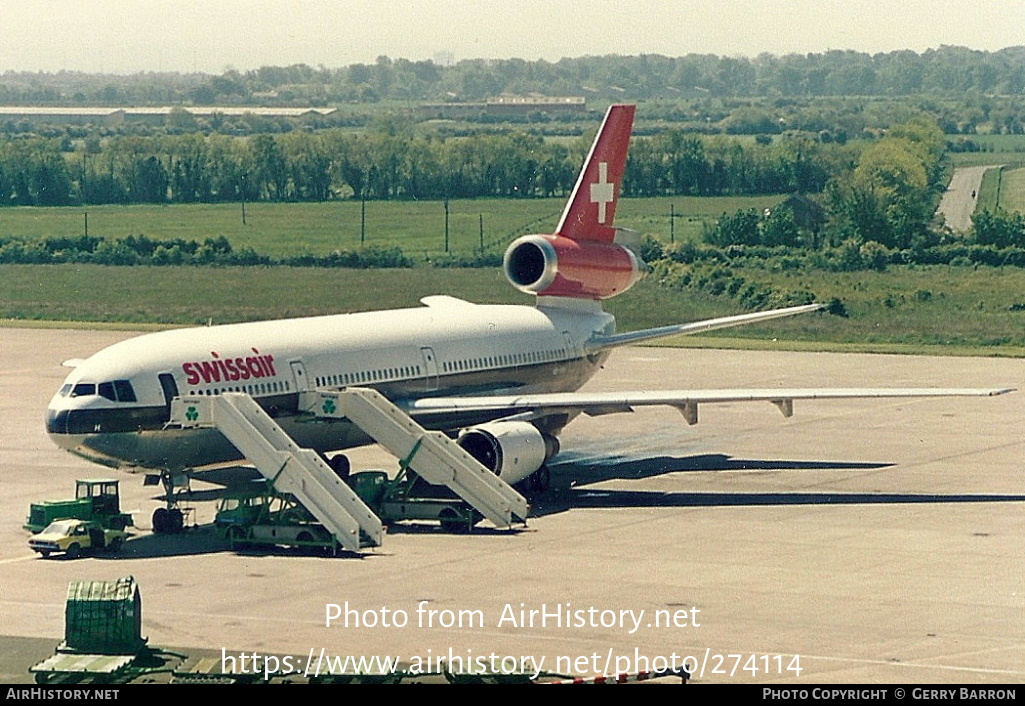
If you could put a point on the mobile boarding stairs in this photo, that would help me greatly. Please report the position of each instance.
(305, 474)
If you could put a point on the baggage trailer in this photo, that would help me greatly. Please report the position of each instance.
(103, 642)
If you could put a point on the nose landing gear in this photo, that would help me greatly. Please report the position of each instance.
(177, 516)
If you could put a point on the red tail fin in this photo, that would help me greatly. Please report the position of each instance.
(592, 206)
(582, 259)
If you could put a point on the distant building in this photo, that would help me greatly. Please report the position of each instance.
(807, 213)
(504, 105)
(521, 105)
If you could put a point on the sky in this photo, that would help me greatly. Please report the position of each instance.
(130, 36)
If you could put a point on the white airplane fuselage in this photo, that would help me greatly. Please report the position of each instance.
(114, 407)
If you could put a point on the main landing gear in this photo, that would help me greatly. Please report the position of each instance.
(537, 483)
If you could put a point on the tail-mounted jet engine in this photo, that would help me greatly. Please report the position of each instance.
(513, 450)
(553, 265)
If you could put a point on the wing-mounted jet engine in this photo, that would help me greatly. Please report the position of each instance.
(514, 450)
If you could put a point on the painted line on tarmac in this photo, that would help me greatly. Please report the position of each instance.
(20, 558)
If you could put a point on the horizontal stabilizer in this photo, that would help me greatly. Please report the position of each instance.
(599, 343)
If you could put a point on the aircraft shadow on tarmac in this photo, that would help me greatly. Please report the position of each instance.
(571, 477)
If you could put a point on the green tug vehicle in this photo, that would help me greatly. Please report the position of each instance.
(96, 500)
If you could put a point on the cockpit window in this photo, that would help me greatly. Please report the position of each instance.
(116, 391)
(125, 391)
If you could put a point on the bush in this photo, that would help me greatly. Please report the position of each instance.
(836, 307)
(140, 250)
(479, 260)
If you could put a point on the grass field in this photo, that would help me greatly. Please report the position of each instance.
(1004, 188)
(989, 190)
(418, 227)
(936, 305)
(1000, 149)
(924, 309)
(1012, 190)
(949, 309)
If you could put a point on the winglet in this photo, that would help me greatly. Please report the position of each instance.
(591, 208)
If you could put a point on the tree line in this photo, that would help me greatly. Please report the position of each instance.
(887, 196)
(947, 70)
(329, 164)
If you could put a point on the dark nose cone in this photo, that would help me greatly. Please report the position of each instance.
(57, 421)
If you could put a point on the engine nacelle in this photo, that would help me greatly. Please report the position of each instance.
(556, 266)
(513, 450)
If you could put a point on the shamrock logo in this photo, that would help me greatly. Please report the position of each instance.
(192, 414)
(329, 406)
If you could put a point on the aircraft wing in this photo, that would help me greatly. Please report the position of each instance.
(527, 407)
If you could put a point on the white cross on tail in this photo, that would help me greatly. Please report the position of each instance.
(603, 191)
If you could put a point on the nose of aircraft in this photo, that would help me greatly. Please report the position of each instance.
(65, 419)
(57, 426)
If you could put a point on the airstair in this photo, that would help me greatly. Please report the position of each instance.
(432, 455)
(304, 473)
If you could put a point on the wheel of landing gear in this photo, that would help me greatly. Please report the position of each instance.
(175, 521)
(340, 465)
(160, 520)
(542, 480)
(536, 483)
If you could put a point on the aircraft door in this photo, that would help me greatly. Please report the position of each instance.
(299, 373)
(170, 389)
(430, 368)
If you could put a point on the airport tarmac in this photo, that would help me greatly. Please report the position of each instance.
(861, 541)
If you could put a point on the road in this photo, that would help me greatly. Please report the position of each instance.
(962, 196)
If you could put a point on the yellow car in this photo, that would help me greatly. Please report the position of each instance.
(76, 536)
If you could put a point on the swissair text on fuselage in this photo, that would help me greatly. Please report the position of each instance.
(229, 369)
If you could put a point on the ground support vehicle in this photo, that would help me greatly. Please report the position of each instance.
(74, 537)
(96, 500)
(103, 642)
(324, 491)
(408, 496)
(264, 517)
